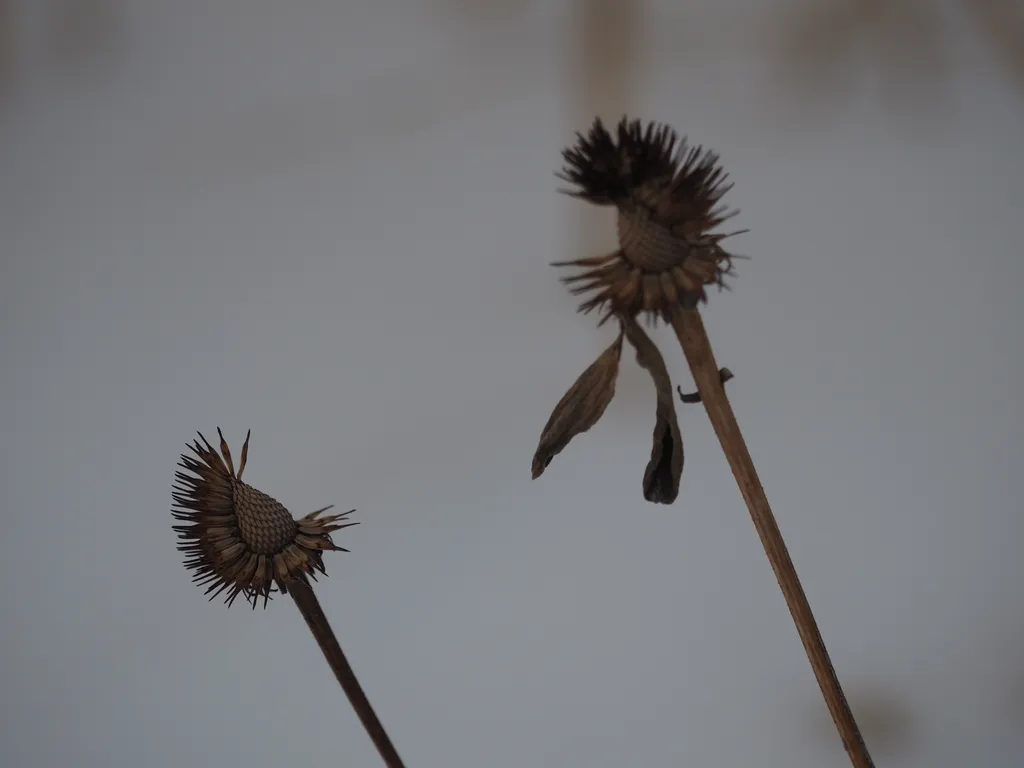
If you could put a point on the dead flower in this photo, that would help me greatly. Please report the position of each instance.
(668, 200)
(240, 540)
(667, 196)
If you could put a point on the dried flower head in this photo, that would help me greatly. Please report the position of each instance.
(668, 200)
(239, 539)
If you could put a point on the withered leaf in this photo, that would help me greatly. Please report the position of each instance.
(665, 469)
(580, 408)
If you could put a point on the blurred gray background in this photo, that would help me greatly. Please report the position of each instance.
(330, 223)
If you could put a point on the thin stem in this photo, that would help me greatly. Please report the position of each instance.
(311, 611)
(693, 338)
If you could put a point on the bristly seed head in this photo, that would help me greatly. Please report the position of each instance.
(239, 539)
(667, 195)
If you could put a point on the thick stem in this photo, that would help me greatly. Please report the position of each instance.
(693, 338)
(304, 597)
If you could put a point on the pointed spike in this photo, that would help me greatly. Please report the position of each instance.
(245, 454)
(199, 448)
(219, 586)
(734, 233)
(226, 452)
(209, 456)
(598, 273)
(589, 261)
(578, 290)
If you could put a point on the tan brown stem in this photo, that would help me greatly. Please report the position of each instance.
(693, 338)
(311, 611)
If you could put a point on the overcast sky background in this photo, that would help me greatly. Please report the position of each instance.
(331, 223)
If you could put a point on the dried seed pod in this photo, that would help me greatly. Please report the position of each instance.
(239, 539)
(665, 468)
(667, 195)
(580, 408)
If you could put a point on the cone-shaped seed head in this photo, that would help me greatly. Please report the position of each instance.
(238, 539)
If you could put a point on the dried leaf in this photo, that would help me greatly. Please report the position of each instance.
(580, 408)
(665, 469)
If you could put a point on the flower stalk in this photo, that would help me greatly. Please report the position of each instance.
(693, 338)
(306, 601)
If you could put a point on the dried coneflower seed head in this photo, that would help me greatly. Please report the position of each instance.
(238, 539)
(668, 200)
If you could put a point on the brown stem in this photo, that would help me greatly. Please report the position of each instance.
(311, 611)
(693, 338)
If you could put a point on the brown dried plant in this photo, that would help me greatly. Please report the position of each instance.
(667, 196)
(239, 541)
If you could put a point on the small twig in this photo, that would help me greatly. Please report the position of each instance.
(311, 611)
(693, 338)
(724, 375)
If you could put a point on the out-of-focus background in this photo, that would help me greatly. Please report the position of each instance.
(331, 223)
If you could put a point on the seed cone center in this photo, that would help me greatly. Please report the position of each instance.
(647, 244)
(264, 524)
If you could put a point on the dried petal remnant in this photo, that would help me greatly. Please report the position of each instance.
(668, 199)
(237, 538)
(665, 468)
(580, 408)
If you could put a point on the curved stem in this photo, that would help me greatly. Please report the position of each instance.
(693, 338)
(308, 605)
